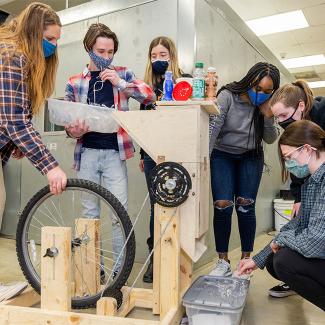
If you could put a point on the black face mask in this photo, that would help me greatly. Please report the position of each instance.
(160, 66)
(284, 124)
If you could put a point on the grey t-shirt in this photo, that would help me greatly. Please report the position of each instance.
(233, 129)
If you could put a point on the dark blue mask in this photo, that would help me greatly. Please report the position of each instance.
(257, 98)
(48, 48)
(160, 66)
(100, 63)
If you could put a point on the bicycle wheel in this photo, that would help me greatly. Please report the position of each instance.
(114, 257)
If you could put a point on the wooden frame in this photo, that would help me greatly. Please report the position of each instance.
(182, 230)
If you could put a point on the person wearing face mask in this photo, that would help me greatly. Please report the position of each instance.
(28, 62)
(237, 159)
(294, 102)
(297, 254)
(162, 56)
(101, 157)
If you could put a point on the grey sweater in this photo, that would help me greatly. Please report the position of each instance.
(233, 130)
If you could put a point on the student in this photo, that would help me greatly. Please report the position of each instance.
(162, 56)
(294, 102)
(101, 157)
(237, 158)
(28, 62)
(297, 254)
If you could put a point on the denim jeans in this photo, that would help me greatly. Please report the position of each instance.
(105, 168)
(149, 165)
(235, 179)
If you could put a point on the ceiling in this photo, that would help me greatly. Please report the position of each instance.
(291, 44)
(14, 7)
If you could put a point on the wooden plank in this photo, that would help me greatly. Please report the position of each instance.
(208, 105)
(26, 299)
(156, 255)
(163, 132)
(174, 316)
(56, 271)
(87, 257)
(106, 306)
(128, 303)
(186, 273)
(170, 261)
(13, 315)
(142, 297)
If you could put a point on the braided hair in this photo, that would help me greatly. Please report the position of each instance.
(252, 78)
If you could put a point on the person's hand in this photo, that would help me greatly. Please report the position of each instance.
(141, 165)
(110, 75)
(77, 129)
(57, 180)
(266, 109)
(17, 154)
(295, 210)
(246, 266)
(275, 247)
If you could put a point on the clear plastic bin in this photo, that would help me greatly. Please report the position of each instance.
(216, 300)
(98, 118)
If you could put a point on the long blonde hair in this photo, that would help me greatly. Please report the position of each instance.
(23, 35)
(291, 94)
(152, 79)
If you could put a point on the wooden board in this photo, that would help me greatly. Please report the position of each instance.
(13, 315)
(208, 105)
(87, 258)
(27, 298)
(56, 271)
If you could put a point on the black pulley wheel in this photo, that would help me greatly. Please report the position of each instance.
(170, 184)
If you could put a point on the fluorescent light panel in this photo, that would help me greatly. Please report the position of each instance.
(304, 61)
(278, 23)
(317, 84)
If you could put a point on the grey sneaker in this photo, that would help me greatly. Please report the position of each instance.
(222, 268)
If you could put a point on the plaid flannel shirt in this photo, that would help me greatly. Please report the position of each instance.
(77, 91)
(16, 128)
(304, 234)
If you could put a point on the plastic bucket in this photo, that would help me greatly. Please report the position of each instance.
(282, 212)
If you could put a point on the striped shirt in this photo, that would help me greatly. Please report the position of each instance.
(16, 127)
(304, 234)
(77, 91)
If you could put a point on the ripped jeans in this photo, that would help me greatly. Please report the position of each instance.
(235, 179)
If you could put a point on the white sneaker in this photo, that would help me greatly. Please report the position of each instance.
(10, 290)
(222, 268)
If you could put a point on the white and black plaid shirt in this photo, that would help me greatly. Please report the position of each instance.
(306, 233)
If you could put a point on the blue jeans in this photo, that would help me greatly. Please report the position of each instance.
(149, 165)
(105, 168)
(235, 179)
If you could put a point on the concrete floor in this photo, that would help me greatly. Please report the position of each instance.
(260, 308)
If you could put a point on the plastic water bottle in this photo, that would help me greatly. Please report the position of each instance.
(198, 82)
(168, 86)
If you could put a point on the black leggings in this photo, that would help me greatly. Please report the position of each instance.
(306, 276)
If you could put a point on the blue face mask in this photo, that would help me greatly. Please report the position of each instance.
(300, 171)
(160, 66)
(48, 48)
(257, 98)
(100, 63)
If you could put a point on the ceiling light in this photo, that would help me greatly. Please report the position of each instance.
(278, 23)
(317, 84)
(304, 61)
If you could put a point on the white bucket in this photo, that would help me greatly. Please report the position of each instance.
(282, 212)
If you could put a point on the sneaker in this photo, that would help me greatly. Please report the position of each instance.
(11, 290)
(148, 275)
(280, 291)
(222, 268)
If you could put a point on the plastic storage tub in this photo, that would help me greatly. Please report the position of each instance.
(215, 300)
(98, 118)
(282, 212)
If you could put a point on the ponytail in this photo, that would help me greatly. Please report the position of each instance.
(308, 97)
